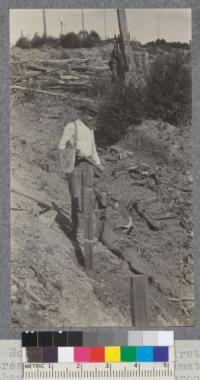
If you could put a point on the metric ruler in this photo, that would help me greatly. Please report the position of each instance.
(94, 371)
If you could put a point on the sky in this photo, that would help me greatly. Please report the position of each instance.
(144, 24)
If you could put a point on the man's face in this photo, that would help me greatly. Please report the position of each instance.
(88, 121)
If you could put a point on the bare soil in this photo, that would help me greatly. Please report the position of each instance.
(50, 286)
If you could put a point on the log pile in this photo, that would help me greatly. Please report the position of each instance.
(63, 78)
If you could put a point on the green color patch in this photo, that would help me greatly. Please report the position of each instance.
(128, 354)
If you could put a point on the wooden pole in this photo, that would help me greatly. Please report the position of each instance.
(158, 25)
(104, 17)
(138, 300)
(44, 24)
(83, 23)
(88, 215)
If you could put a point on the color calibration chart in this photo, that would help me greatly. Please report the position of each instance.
(91, 355)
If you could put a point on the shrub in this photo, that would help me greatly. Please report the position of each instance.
(52, 41)
(23, 43)
(168, 94)
(95, 36)
(83, 35)
(70, 40)
(120, 108)
(99, 85)
(92, 39)
(88, 40)
(37, 41)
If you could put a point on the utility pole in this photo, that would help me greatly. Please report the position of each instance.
(158, 26)
(83, 23)
(44, 24)
(104, 17)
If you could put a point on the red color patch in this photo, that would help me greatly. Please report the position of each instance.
(97, 354)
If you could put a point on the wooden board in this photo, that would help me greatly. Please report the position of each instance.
(88, 254)
(138, 298)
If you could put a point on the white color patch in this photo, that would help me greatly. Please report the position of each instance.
(65, 354)
(165, 338)
(150, 338)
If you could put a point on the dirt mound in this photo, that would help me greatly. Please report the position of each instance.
(161, 141)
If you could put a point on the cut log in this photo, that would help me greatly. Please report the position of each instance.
(59, 63)
(79, 85)
(140, 210)
(183, 299)
(74, 77)
(86, 103)
(41, 200)
(88, 254)
(27, 75)
(63, 96)
(138, 300)
(37, 68)
(89, 69)
(167, 216)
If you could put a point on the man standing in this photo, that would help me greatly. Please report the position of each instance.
(77, 157)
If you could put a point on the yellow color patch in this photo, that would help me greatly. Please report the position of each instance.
(112, 354)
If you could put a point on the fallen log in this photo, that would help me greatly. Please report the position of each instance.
(183, 299)
(78, 85)
(87, 103)
(43, 201)
(37, 68)
(58, 63)
(140, 210)
(27, 75)
(39, 91)
(125, 169)
(74, 77)
(89, 69)
(165, 217)
(65, 60)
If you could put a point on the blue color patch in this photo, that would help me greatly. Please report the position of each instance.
(160, 354)
(144, 353)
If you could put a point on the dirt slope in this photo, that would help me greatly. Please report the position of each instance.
(49, 284)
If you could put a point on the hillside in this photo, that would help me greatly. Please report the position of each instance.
(147, 173)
